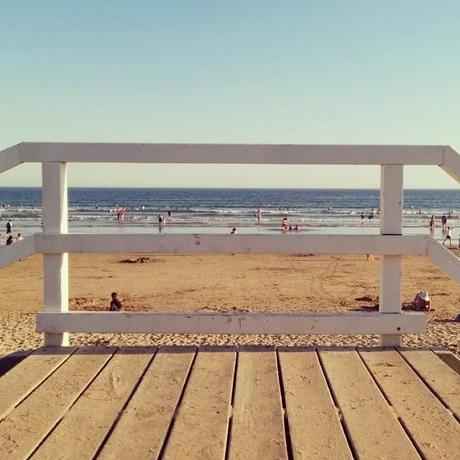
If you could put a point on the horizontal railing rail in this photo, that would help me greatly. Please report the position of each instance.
(233, 323)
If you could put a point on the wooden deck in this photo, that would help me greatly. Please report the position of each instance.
(224, 403)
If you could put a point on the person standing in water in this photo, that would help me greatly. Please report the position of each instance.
(432, 224)
(258, 215)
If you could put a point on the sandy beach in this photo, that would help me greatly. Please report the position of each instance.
(225, 283)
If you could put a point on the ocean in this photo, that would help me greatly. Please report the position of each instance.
(320, 211)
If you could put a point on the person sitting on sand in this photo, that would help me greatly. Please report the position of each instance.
(9, 239)
(19, 238)
(234, 231)
(115, 304)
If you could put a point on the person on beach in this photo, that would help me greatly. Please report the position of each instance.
(444, 222)
(9, 227)
(161, 220)
(9, 239)
(234, 231)
(432, 223)
(115, 304)
(258, 215)
(448, 236)
(285, 225)
(19, 238)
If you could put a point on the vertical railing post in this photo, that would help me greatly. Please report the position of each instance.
(55, 265)
(391, 211)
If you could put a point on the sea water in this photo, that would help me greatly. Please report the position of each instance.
(320, 211)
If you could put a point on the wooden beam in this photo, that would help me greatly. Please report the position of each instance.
(391, 206)
(55, 264)
(283, 244)
(451, 163)
(9, 158)
(232, 153)
(17, 251)
(232, 323)
(444, 259)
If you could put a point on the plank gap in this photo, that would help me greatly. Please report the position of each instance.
(413, 440)
(287, 432)
(429, 386)
(385, 396)
(230, 408)
(123, 408)
(176, 410)
(58, 422)
(342, 420)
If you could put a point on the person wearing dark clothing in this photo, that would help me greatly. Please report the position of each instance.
(115, 304)
(9, 240)
(9, 227)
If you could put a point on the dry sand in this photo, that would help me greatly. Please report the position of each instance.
(225, 283)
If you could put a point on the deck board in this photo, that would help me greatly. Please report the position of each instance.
(224, 403)
(432, 426)
(24, 428)
(366, 412)
(90, 418)
(314, 423)
(257, 426)
(144, 424)
(23, 378)
(201, 426)
(443, 380)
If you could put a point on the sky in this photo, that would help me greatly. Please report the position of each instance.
(252, 71)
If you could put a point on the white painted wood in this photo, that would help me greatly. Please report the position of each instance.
(55, 265)
(451, 163)
(282, 243)
(444, 259)
(391, 211)
(9, 158)
(232, 153)
(232, 323)
(17, 251)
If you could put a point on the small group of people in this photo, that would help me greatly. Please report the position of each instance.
(9, 238)
(446, 229)
(286, 227)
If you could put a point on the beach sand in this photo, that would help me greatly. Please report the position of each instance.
(261, 283)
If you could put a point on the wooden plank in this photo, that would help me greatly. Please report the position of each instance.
(144, 424)
(28, 375)
(201, 426)
(374, 430)
(232, 323)
(242, 244)
(257, 427)
(29, 423)
(431, 425)
(90, 418)
(314, 425)
(450, 359)
(443, 380)
(232, 153)
(17, 251)
(444, 259)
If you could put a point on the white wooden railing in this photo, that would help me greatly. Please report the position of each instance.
(55, 243)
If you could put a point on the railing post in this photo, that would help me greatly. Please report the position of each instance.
(391, 211)
(55, 265)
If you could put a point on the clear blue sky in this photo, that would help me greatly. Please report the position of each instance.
(230, 71)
